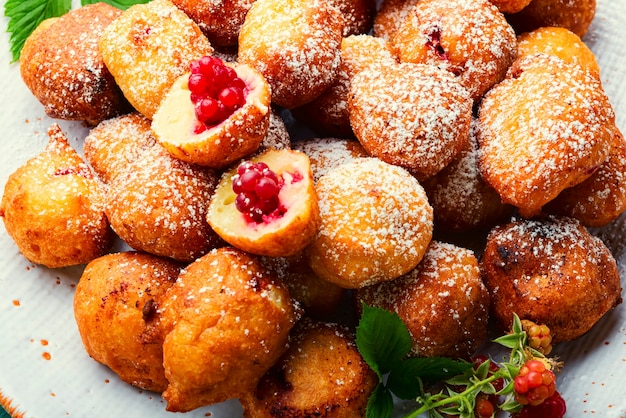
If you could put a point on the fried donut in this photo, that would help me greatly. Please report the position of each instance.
(443, 302)
(159, 205)
(277, 136)
(560, 42)
(328, 153)
(461, 199)
(231, 134)
(220, 21)
(510, 6)
(322, 374)
(116, 307)
(53, 207)
(602, 197)
(390, 16)
(147, 48)
(62, 66)
(227, 321)
(376, 223)
(328, 113)
(358, 15)
(416, 116)
(573, 15)
(551, 271)
(319, 298)
(547, 127)
(115, 143)
(469, 38)
(299, 53)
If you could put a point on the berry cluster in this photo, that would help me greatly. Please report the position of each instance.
(257, 188)
(216, 91)
(524, 386)
(539, 336)
(534, 383)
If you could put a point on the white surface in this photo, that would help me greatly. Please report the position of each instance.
(71, 384)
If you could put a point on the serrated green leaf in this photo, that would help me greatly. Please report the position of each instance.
(380, 403)
(25, 16)
(382, 339)
(120, 4)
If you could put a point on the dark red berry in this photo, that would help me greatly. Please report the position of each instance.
(212, 80)
(484, 407)
(257, 188)
(552, 407)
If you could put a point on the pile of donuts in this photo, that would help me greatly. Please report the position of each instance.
(428, 121)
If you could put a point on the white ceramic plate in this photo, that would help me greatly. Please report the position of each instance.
(45, 372)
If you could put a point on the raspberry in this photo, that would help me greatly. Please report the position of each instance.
(539, 336)
(534, 383)
(553, 407)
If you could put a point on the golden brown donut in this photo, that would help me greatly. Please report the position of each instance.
(322, 374)
(299, 53)
(277, 136)
(53, 207)
(220, 21)
(227, 321)
(358, 15)
(547, 127)
(551, 271)
(416, 116)
(62, 66)
(115, 143)
(328, 113)
(602, 197)
(177, 128)
(469, 38)
(282, 230)
(319, 298)
(328, 153)
(560, 42)
(461, 199)
(159, 205)
(390, 16)
(147, 48)
(510, 6)
(376, 223)
(443, 302)
(116, 307)
(573, 15)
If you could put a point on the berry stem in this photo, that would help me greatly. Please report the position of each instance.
(442, 400)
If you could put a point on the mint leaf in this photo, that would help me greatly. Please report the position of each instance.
(24, 17)
(382, 339)
(380, 403)
(120, 4)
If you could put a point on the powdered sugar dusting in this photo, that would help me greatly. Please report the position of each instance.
(413, 115)
(547, 127)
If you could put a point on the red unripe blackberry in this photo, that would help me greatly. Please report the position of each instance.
(534, 383)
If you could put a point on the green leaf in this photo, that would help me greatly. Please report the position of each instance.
(120, 4)
(25, 16)
(380, 403)
(408, 378)
(382, 339)
(508, 341)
